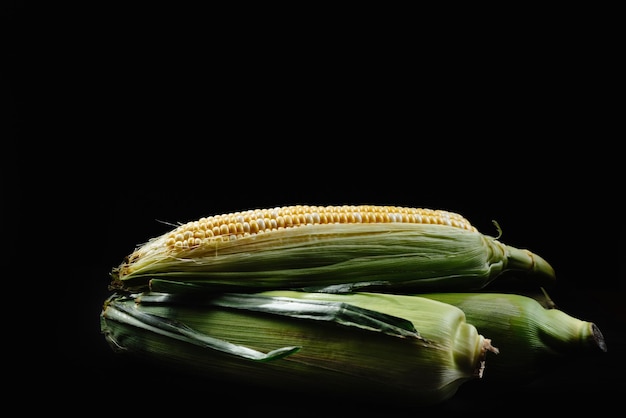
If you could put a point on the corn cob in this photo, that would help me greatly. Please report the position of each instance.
(314, 247)
(414, 350)
(533, 339)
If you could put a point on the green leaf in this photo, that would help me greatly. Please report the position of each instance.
(329, 311)
(116, 310)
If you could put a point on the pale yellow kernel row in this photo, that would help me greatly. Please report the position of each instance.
(227, 227)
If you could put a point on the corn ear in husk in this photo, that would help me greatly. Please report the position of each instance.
(329, 248)
(533, 339)
(411, 349)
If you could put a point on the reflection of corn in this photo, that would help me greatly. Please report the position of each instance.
(416, 349)
(295, 247)
(532, 339)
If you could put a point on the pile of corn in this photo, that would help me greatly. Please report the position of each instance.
(379, 300)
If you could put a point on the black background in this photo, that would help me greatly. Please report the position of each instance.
(115, 138)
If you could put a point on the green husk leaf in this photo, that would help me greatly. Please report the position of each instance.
(339, 312)
(117, 311)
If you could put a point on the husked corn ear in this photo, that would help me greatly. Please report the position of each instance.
(306, 247)
(410, 349)
(532, 338)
